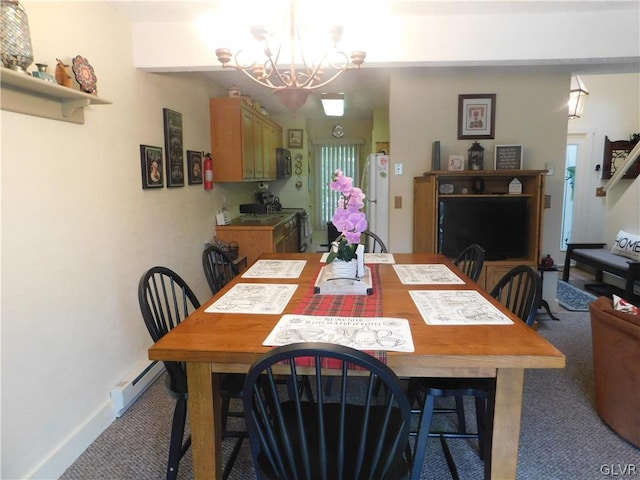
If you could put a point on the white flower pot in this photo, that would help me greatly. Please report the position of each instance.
(342, 269)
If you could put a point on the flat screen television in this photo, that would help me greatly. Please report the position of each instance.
(500, 225)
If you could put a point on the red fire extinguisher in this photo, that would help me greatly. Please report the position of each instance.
(208, 172)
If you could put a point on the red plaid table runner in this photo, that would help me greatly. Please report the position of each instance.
(343, 306)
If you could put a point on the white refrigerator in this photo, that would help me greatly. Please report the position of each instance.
(375, 181)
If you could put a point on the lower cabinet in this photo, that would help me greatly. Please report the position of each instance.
(254, 240)
(286, 237)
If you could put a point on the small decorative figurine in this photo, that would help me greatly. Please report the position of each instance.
(62, 74)
(547, 262)
(478, 185)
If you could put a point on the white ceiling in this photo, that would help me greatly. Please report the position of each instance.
(369, 88)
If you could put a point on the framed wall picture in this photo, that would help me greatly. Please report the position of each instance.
(476, 116)
(194, 167)
(151, 166)
(383, 147)
(508, 157)
(173, 147)
(295, 138)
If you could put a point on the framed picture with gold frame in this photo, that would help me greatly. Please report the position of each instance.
(295, 138)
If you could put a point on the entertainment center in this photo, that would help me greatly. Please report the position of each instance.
(453, 209)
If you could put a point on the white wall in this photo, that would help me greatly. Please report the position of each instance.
(612, 110)
(78, 230)
(530, 110)
(77, 233)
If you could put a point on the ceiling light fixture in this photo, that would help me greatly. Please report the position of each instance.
(333, 104)
(293, 82)
(577, 97)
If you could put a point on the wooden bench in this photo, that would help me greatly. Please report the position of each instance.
(598, 256)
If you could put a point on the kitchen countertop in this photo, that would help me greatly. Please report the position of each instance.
(266, 220)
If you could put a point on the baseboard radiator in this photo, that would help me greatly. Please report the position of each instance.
(125, 393)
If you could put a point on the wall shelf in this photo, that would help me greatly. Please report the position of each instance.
(22, 93)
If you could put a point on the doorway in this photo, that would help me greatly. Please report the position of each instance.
(571, 162)
(582, 211)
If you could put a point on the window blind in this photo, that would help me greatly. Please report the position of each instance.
(329, 159)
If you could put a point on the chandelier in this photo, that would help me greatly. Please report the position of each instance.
(294, 81)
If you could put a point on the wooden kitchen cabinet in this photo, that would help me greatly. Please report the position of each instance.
(243, 141)
(435, 186)
(279, 232)
(287, 237)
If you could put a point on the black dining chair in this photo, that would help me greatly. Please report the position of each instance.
(218, 268)
(471, 260)
(373, 243)
(350, 433)
(520, 291)
(166, 300)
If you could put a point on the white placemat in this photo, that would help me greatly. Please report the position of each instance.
(275, 269)
(427, 274)
(362, 333)
(259, 298)
(457, 307)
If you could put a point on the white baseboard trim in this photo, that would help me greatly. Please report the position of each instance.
(71, 447)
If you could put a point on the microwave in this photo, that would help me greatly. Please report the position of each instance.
(283, 163)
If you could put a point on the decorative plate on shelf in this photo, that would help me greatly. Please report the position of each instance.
(84, 74)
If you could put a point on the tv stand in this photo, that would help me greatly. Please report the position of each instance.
(430, 188)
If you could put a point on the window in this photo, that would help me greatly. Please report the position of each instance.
(328, 159)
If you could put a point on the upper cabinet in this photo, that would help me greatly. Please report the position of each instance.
(243, 141)
(615, 153)
(22, 93)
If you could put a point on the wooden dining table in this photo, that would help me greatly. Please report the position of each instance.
(215, 343)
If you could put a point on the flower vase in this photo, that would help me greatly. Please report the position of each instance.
(342, 269)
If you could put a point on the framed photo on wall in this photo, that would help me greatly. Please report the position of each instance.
(173, 147)
(295, 138)
(476, 116)
(194, 167)
(508, 157)
(151, 166)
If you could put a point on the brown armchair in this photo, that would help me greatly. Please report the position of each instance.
(616, 366)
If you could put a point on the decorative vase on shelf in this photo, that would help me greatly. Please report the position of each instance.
(42, 73)
(15, 37)
(342, 269)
